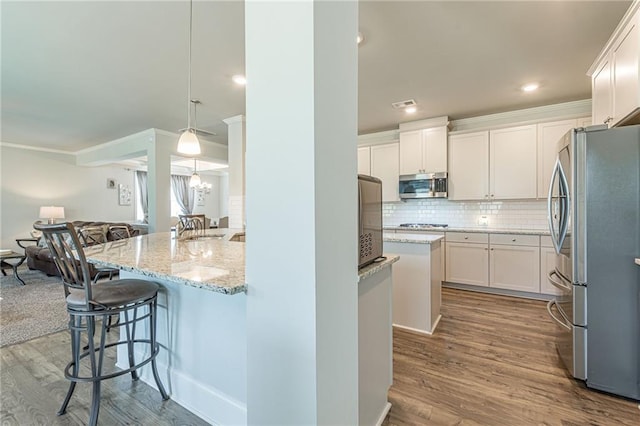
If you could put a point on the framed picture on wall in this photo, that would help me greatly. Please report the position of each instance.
(200, 198)
(124, 195)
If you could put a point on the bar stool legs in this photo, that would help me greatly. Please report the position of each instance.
(95, 353)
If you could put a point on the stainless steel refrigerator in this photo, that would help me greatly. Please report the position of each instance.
(594, 219)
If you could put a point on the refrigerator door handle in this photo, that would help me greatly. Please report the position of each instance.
(564, 200)
(558, 284)
(361, 222)
(559, 321)
(555, 239)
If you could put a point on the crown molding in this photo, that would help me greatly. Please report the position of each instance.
(379, 138)
(553, 112)
(34, 148)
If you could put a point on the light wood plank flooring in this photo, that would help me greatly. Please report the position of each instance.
(32, 387)
(492, 361)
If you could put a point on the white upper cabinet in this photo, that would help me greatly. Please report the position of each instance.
(512, 163)
(602, 104)
(385, 166)
(469, 166)
(615, 76)
(411, 152)
(364, 160)
(548, 136)
(423, 151)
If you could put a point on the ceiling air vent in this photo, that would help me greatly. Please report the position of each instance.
(403, 104)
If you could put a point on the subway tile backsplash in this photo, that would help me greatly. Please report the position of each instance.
(468, 214)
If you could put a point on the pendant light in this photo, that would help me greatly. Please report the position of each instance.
(195, 181)
(188, 142)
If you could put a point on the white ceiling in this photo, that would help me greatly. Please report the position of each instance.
(77, 74)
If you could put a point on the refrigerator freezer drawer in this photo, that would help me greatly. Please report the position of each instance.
(571, 343)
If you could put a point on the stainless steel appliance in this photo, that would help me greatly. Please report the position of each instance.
(369, 219)
(425, 185)
(594, 219)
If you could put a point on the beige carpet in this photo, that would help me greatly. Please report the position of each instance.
(32, 310)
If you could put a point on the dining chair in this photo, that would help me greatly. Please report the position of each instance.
(90, 305)
(119, 232)
(92, 235)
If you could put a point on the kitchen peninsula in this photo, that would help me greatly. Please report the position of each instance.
(202, 321)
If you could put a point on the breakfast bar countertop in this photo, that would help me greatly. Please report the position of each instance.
(210, 262)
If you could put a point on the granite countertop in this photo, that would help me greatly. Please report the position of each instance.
(478, 230)
(411, 237)
(376, 267)
(212, 262)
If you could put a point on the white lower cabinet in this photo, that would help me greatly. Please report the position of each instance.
(514, 262)
(467, 258)
(501, 261)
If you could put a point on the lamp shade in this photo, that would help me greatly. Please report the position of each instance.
(195, 180)
(188, 143)
(51, 213)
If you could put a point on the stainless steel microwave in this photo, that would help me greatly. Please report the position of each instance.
(423, 185)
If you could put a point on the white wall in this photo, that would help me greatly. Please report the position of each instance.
(30, 179)
(211, 206)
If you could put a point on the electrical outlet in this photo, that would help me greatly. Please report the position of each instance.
(483, 221)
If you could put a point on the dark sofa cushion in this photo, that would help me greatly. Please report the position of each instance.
(40, 258)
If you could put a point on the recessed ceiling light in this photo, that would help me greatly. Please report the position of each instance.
(360, 37)
(410, 109)
(239, 79)
(531, 87)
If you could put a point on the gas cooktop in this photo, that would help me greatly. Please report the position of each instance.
(423, 225)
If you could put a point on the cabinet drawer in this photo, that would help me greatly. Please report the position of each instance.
(467, 237)
(514, 240)
(545, 241)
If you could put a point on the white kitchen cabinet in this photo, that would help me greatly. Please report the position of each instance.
(512, 163)
(467, 258)
(584, 122)
(499, 164)
(615, 77)
(547, 264)
(469, 166)
(548, 136)
(423, 151)
(514, 262)
(385, 166)
(602, 95)
(364, 160)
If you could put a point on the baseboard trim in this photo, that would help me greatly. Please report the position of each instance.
(419, 331)
(383, 415)
(206, 402)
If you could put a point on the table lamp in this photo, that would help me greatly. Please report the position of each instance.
(51, 213)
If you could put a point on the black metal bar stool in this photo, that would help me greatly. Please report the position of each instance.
(135, 300)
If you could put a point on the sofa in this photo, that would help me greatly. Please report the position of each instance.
(39, 257)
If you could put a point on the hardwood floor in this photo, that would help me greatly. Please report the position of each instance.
(32, 387)
(492, 361)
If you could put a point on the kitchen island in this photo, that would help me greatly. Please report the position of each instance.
(202, 321)
(417, 280)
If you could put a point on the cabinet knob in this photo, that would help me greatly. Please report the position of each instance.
(491, 195)
(491, 249)
(513, 240)
(487, 249)
(466, 238)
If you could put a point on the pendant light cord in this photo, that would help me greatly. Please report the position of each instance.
(189, 88)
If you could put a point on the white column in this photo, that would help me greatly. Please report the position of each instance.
(236, 147)
(301, 187)
(159, 182)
